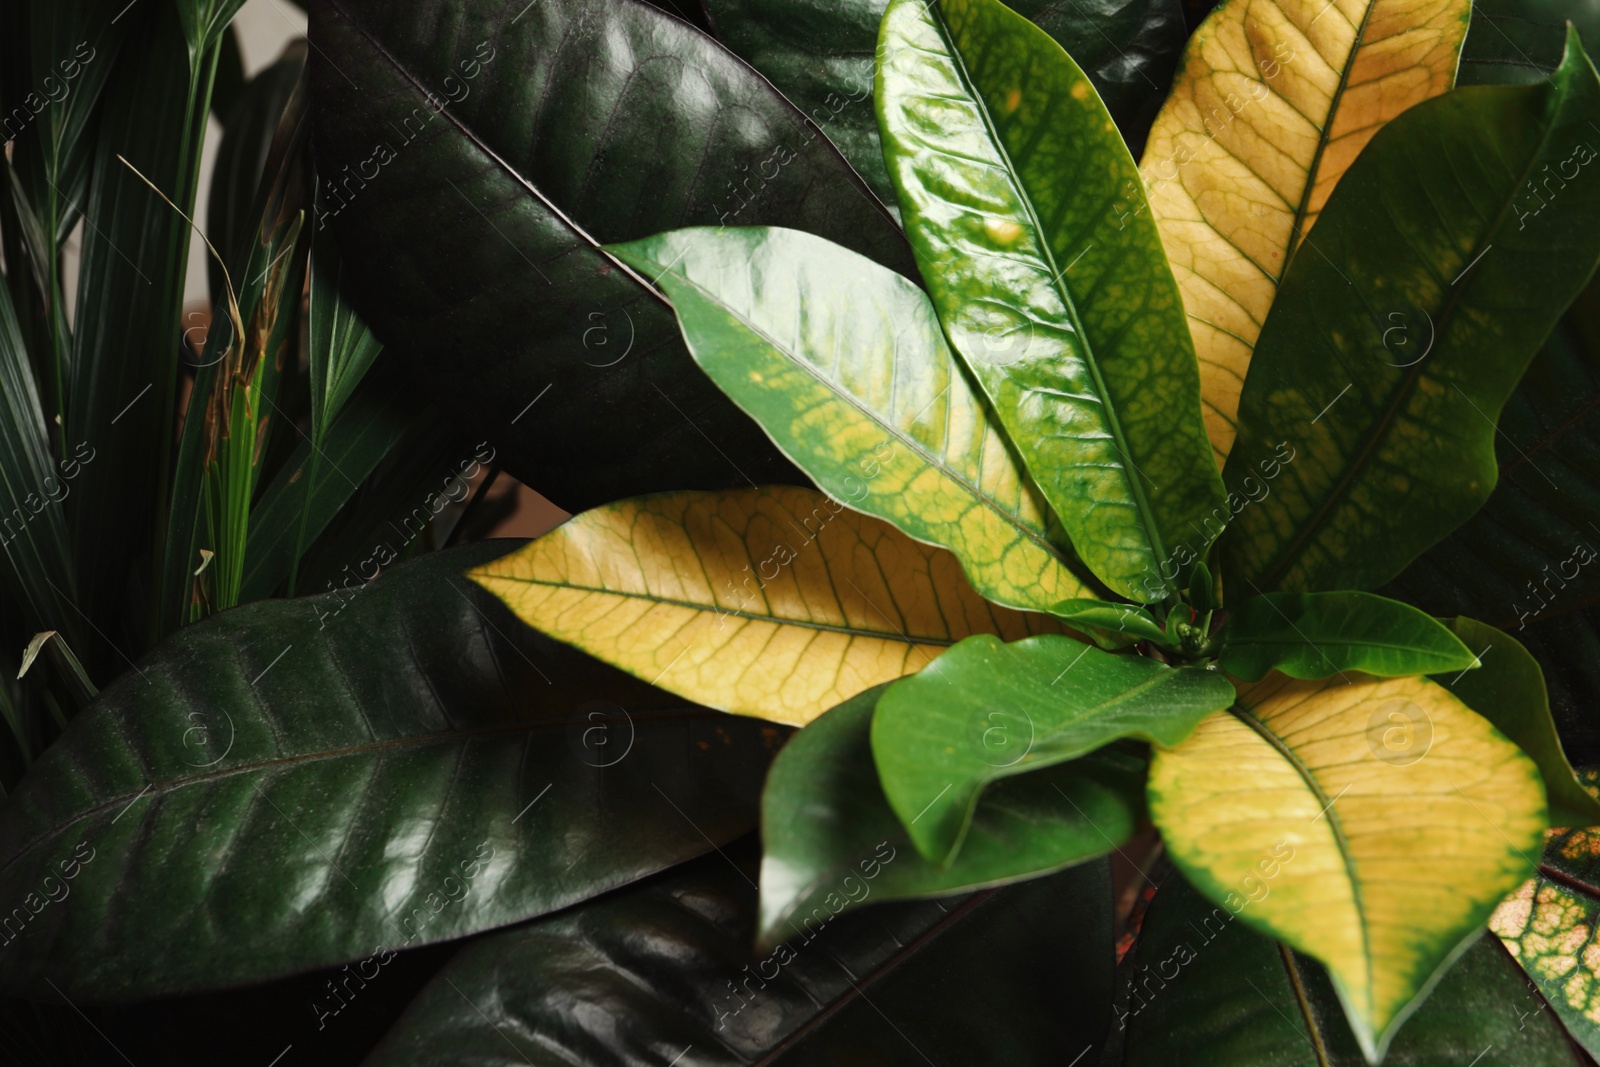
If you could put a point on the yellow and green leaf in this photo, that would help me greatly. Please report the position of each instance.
(1406, 816)
(1550, 926)
(775, 602)
(1272, 103)
(843, 363)
(1444, 257)
(1028, 221)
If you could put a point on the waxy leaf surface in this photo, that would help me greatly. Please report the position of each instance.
(987, 710)
(843, 363)
(775, 602)
(298, 783)
(1314, 635)
(829, 836)
(1025, 212)
(1408, 815)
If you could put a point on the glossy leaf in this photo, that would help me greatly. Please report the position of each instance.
(1549, 926)
(676, 589)
(1022, 206)
(843, 363)
(1315, 635)
(302, 782)
(1203, 990)
(988, 710)
(1125, 623)
(1275, 101)
(1320, 768)
(822, 59)
(473, 168)
(666, 970)
(1509, 691)
(825, 824)
(1389, 355)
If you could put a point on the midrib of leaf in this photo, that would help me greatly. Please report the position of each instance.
(1323, 137)
(894, 430)
(879, 972)
(776, 620)
(1334, 823)
(1407, 385)
(322, 755)
(495, 157)
(1113, 423)
(1313, 1031)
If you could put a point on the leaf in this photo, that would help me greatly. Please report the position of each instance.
(666, 968)
(1127, 622)
(842, 362)
(675, 589)
(1525, 563)
(1509, 692)
(1205, 991)
(317, 483)
(123, 384)
(822, 59)
(824, 819)
(33, 529)
(1407, 815)
(1274, 102)
(1396, 444)
(1314, 635)
(298, 783)
(341, 348)
(472, 224)
(232, 212)
(1548, 925)
(1012, 181)
(1519, 42)
(989, 710)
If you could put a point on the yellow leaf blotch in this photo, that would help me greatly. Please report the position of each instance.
(1406, 818)
(1273, 103)
(774, 602)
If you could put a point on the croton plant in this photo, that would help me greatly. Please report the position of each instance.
(997, 565)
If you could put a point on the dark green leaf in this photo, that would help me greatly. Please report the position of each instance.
(1026, 215)
(1202, 990)
(123, 384)
(318, 481)
(297, 783)
(821, 57)
(1315, 635)
(1519, 42)
(1527, 563)
(825, 823)
(1403, 325)
(233, 213)
(471, 227)
(1508, 690)
(1128, 622)
(986, 710)
(664, 972)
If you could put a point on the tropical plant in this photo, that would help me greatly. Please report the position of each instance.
(897, 404)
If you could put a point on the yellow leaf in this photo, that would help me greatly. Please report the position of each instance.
(1272, 104)
(775, 602)
(1371, 823)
